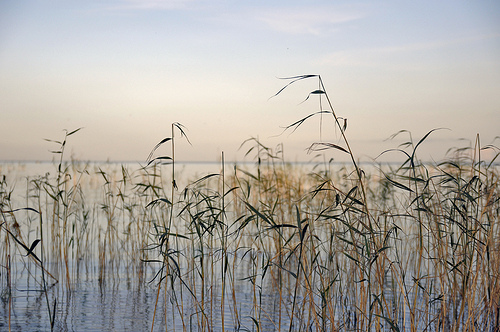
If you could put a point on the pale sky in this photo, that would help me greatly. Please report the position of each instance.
(126, 69)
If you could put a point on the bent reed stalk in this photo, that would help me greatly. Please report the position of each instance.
(273, 246)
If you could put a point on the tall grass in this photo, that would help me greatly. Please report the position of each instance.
(273, 246)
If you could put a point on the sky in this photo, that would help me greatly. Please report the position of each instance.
(125, 70)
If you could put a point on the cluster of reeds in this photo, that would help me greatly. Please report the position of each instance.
(78, 223)
(273, 246)
(413, 247)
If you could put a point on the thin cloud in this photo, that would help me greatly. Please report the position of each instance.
(152, 4)
(373, 56)
(314, 21)
(415, 47)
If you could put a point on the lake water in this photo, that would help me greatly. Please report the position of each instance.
(122, 295)
(102, 234)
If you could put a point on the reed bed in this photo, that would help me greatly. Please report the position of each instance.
(267, 247)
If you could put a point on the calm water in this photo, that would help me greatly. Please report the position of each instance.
(124, 302)
(122, 296)
(106, 235)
